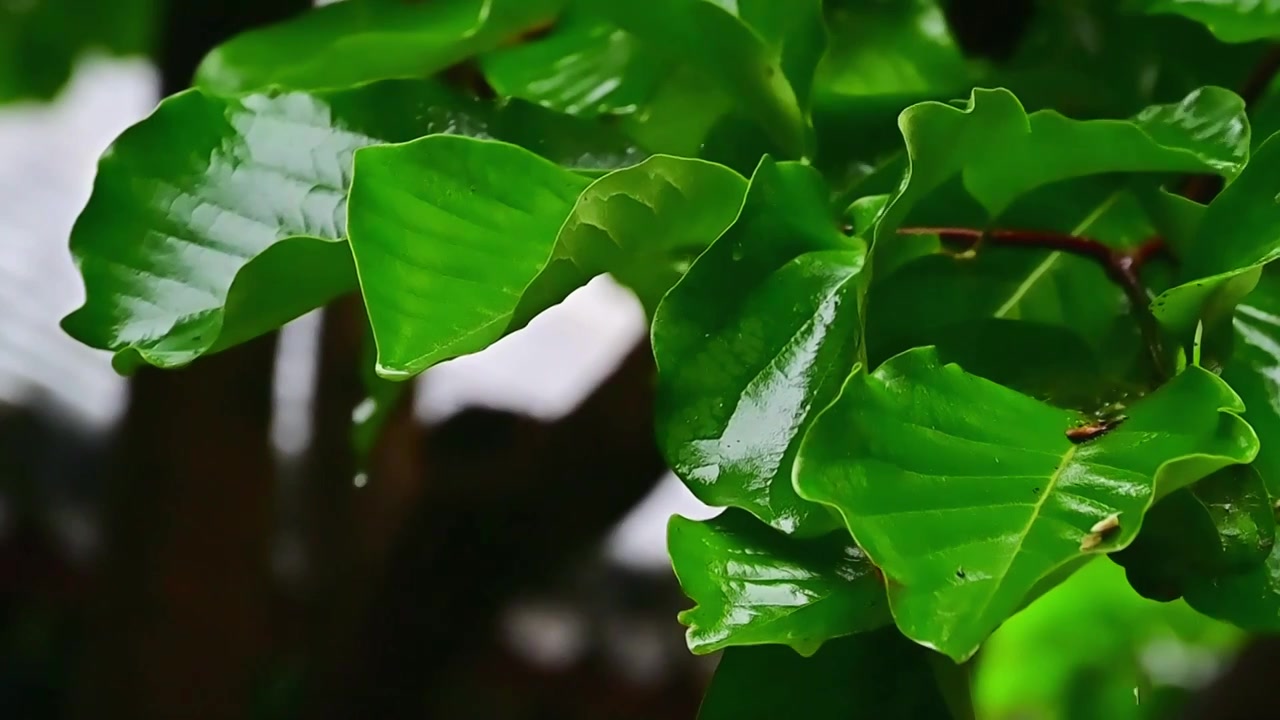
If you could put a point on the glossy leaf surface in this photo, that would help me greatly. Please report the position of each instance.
(357, 41)
(588, 66)
(585, 66)
(877, 674)
(215, 220)
(753, 341)
(968, 494)
(646, 224)
(452, 255)
(1000, 152)
(755, 586)
(766, 67)
(1251, 598)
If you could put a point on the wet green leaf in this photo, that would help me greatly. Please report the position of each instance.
(875, 675)
(883, 57)
(753, 341)
(584, 66)
(356, 41)
(902, 49)
(1250, 598)
(762, 54)
(215, 220)
(968, 494)
(646, 225)
(1000, 152)
(588, 66)
(993, 165)
(452, 254)
(756, 586)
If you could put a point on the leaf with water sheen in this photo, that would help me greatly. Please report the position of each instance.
(756, 586)
(753, 341)
(1238, 234)
(1231, 20)
(587, 66)
(882, 58)
(1251, 598)
(1000, 152)
(763, 55)
(873, 675)
(356, 41)
(215, 220)
(968, 495)
(584, 66)
(452, 254)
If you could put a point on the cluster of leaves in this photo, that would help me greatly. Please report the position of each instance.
(913, 438)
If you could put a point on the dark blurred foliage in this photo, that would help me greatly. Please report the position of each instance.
(404, 605)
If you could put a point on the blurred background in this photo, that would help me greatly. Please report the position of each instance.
(204, 544)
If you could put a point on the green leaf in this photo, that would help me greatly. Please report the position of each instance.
(753, 341)
(646, 225)
(767, 68)
(900, 49)
(458, 242)
(215, 220)
(882, 58)
(42, 40)
(963, 303)
(1239, 233)
(1251, 598)
(1254, 371)
(356, 41)
(755, 586)
(1222, 525)
(584, 66)
(1047, 323)
(968, 494)
(587, 66)
(873, 675)
(993, 165)
(1000, 152)
(1231, 21)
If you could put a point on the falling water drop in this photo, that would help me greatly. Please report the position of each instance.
(360, 480)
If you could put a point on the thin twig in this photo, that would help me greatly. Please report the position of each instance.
(1123, 267)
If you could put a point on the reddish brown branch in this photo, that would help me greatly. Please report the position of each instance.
(1121, 266)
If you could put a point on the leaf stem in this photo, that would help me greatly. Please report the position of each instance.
(1123, 267)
